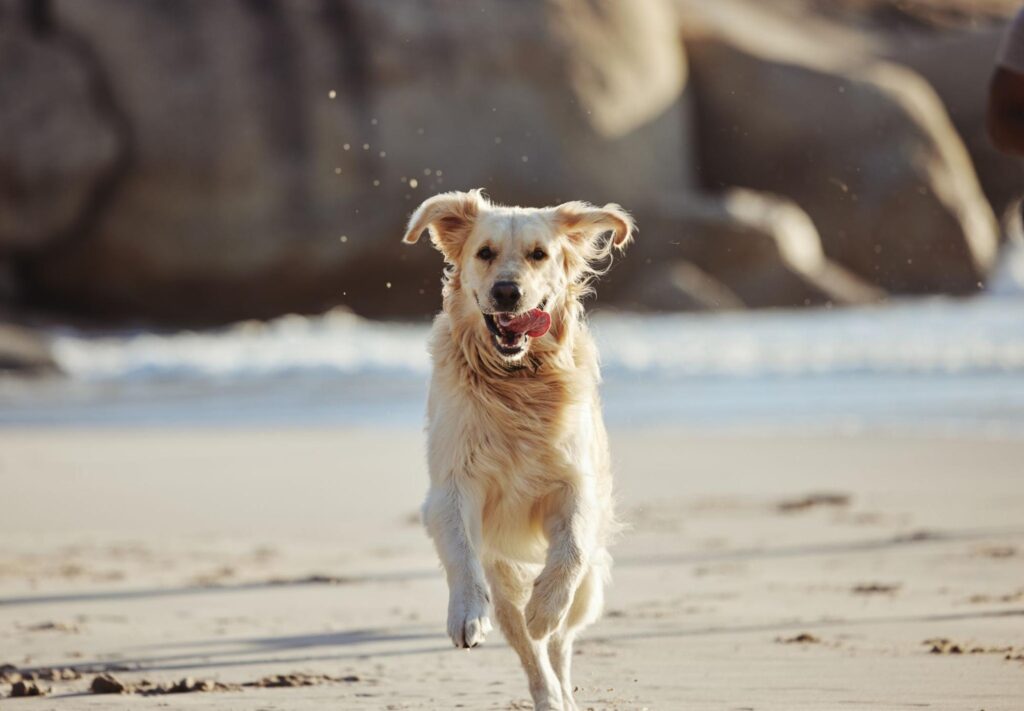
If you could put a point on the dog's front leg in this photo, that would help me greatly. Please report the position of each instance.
(568, 527)
(453, 521)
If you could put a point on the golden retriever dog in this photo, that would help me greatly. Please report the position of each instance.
(520, 501)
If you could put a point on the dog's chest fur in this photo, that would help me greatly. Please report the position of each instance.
(511, 441)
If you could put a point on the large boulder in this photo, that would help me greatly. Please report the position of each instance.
(864, 146)
(953, 46)
(740, 249)
(276, 148)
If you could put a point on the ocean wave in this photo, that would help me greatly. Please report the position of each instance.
(934, 365)
(336, 342)
(919, 336)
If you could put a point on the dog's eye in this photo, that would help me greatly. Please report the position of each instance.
(486, 254)
(538, 254)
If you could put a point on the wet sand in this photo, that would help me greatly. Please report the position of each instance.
(285, 569)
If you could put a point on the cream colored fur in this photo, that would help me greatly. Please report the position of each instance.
(520, 501)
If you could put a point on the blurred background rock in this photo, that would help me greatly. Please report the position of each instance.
(183, 163)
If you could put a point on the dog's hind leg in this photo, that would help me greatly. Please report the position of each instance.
(586, 606)
(510, 586)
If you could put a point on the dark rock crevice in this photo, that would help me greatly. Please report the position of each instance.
(342, 24)
(26, 263)
(285, 113)
(39, 16)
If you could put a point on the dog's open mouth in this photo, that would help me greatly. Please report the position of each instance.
(512, 331)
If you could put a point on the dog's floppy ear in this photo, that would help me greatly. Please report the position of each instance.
(583, 223)
(449, 217)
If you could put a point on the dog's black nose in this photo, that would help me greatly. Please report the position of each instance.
(506, 295)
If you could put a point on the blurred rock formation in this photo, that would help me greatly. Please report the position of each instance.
(193, 163)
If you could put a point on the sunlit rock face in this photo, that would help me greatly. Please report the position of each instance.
(733, 250)
(865, 146)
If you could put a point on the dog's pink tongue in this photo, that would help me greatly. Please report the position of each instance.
(534, 323)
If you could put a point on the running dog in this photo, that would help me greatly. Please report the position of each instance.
(520, 503)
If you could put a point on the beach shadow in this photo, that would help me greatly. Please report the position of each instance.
(923, 537)
(782, 627)
(280, 651)
(927, 537)
(218, 589)
(252, 651)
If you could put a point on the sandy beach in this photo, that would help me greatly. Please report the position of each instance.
(760, 572)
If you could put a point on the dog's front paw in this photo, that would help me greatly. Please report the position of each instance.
(468, 622)
(546, 608)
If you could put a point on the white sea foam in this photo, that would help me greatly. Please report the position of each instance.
(938, 365)
(928, 336)
(336, 342)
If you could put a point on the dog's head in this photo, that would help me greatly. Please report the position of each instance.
(512, 269)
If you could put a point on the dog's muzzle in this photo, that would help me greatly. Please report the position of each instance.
(512, 332)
